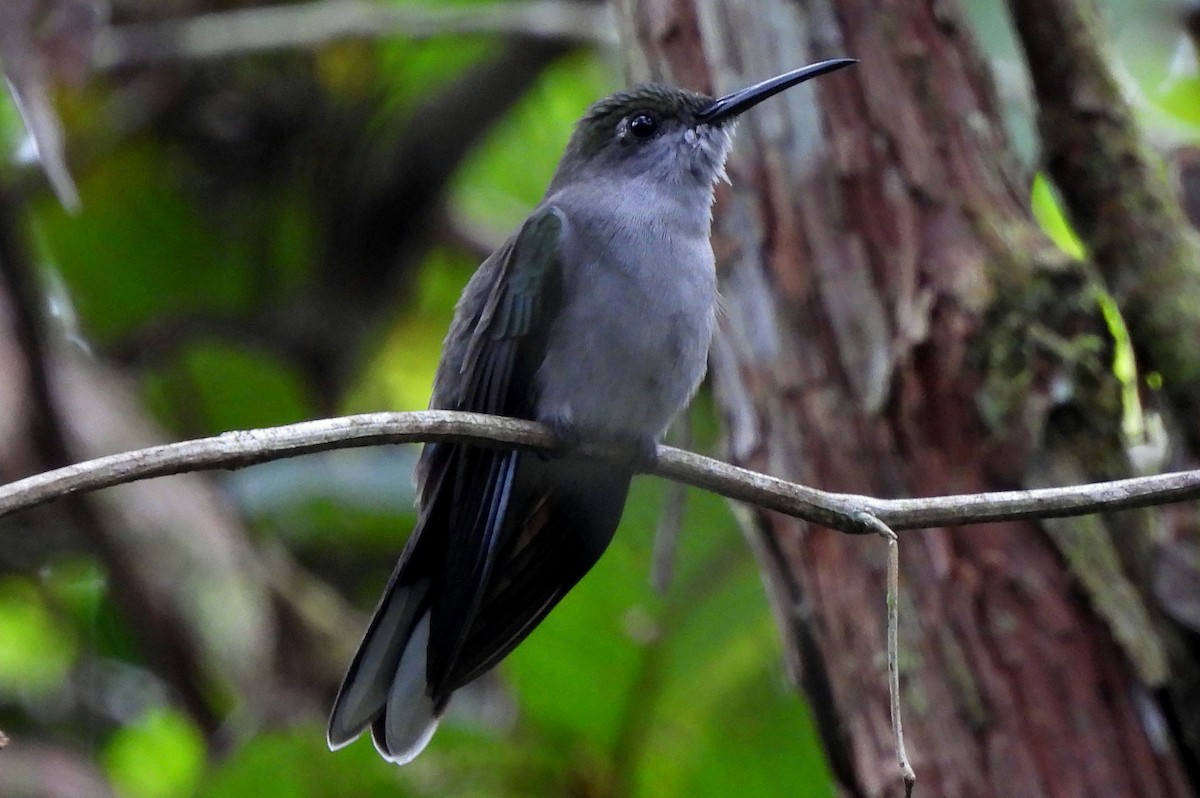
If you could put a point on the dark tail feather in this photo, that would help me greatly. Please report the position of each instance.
(409, 718)
(385, 687)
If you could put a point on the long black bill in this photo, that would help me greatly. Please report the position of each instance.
(733, 104)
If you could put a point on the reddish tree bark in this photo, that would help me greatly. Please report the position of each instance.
(896, 324)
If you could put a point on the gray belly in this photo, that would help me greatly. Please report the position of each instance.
(623, 362)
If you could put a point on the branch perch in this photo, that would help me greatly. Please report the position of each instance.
(842, 511)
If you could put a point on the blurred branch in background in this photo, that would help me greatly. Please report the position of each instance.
(305, 25)
(68, 38)
(381, 196)
(197, 595)
(37, 44)
(164, 634)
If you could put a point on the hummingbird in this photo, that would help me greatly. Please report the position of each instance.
(595, 318)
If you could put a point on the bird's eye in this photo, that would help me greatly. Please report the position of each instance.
(643, 126)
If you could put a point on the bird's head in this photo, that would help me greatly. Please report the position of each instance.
(671, 135)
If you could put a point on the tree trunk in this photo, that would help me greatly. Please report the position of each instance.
(896, 324)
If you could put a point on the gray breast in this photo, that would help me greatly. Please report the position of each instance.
(630, 344)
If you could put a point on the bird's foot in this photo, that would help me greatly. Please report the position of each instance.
(640, 453)
(566, 439)
(643, 454)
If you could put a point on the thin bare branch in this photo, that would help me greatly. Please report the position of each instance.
(893, 650)
(841, 511)
(250, 30)
(25, 68)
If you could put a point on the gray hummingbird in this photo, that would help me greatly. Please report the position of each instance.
(594, 318)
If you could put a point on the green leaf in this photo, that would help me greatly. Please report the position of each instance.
(160, 755)
(1049, 214)
(137, 251)
(400, 374)
(80, 586)
(37, 651)
(230, 388)
(297, 764)
(11, 129)
(508, 173)
(1180, 97)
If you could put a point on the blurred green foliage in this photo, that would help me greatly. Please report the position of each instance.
(1180, 98)
(621, 692)
(38, 650)
(1047, 209)
(159, 754)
